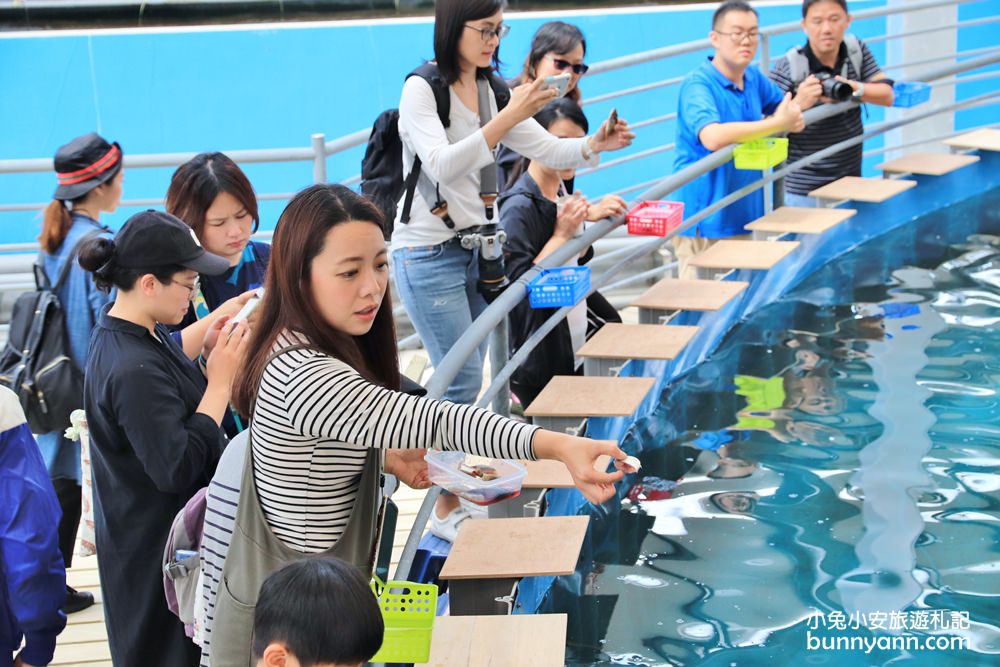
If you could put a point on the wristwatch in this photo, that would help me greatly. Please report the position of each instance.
(860, 92)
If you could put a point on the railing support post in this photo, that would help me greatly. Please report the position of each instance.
(499, 356)
(765, 54)
(319, 157)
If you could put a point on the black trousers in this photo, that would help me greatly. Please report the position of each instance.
(70, 496)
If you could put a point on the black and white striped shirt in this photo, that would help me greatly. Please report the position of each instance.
(314, 421)
(827, 132)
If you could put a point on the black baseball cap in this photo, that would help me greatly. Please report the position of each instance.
(84, 163)
(152, 239)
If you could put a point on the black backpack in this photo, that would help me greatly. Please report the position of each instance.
(35, 363)
(382, 166)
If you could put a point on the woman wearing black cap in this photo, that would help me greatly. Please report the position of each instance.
(89, 172)
(154, 420)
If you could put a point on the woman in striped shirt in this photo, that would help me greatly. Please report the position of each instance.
(318, 410)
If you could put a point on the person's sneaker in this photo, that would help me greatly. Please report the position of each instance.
(447, 528)
(77, 600)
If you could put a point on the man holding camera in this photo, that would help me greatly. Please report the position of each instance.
(832, 66)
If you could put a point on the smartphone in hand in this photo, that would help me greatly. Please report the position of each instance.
(611, 123)
(559, 81)
(247, 309)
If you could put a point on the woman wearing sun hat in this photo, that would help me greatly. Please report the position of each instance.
(89, 174)
(154, 418)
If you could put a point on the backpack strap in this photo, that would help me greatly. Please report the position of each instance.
(442, 98)
(42, 278)
(798, 65)
(854, 55)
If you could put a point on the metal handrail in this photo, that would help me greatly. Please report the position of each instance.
(473, 337)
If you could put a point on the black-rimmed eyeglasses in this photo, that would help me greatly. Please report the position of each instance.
(489, 33)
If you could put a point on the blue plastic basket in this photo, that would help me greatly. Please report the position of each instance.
(910, 94)
(558, 287)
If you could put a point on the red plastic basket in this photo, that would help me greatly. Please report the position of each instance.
(655, 218)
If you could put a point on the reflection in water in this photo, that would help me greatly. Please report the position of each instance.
(836, 455)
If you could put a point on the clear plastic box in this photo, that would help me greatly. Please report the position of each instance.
(443, 470)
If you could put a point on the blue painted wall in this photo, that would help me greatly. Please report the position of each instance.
(211, 89)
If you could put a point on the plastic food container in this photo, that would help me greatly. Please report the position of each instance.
(558, 287)
(761, 154)
(444, 469)
(907, 95)
(654, 218)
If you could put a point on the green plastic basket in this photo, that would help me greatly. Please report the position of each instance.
(761, 154)
(408, 611)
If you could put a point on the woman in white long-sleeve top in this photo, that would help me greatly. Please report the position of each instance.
(322, 391)
(436, 277)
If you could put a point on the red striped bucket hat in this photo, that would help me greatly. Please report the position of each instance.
(84, 163)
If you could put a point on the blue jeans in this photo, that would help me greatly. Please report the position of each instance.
(802, 201)
(437, 285)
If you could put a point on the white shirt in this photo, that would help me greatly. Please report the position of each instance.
(454, 157)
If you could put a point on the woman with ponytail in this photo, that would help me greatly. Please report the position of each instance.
(89, 172)
(154, 418)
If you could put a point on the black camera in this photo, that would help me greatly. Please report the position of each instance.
(492, 272)
(838, 91)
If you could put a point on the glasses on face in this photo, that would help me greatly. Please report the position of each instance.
(192, 289)
(738, 37)
(489, 33)
(562, 65)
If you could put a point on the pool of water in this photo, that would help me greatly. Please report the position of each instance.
(824, 488)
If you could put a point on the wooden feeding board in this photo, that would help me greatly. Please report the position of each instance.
(987, 139)
(930, 164)
(754, 255)
(547, 474)
(638, 341)
(576, 396)
(499, 641)
(672, 294)
(515, 548)
(872, 190)
(801, 220)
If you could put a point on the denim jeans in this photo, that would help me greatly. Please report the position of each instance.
(437, 285)
(801, 201)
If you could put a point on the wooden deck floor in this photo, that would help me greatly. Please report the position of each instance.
(84, 642)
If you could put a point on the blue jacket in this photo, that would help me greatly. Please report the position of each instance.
(32, 576)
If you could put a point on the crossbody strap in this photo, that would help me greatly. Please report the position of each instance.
(488, 174)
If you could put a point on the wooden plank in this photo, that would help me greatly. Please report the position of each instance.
(81, 654)
(755, 255)
(514, 548)
(76, 633)
(801, 220)
(82, 579)
(987, 139)
(873, 190)
(930, 164)
(577, 396)
(499, 641)
(637, 341)
(699, 295)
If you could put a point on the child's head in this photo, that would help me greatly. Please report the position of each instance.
(316, 612)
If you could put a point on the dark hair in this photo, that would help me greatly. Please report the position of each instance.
(731, 6)
(196, 184)
(553, 37)
(56, 221)
(450, 17)
(806, 4)
(322, 610)
(558, 109)
(299, 237)
(99, 256)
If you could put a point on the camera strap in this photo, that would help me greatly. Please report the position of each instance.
(488, 174)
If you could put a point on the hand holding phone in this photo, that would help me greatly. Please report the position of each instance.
(559, 81)
(246, 310)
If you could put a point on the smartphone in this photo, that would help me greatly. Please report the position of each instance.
(611, 122)
(247, 308)
(559, 81)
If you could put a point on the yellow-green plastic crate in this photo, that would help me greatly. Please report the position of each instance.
(408, 611)
(761, 154)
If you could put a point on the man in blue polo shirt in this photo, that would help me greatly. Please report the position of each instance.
(722, 102)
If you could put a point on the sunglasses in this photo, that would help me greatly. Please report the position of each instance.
(561, 65)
